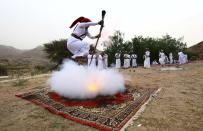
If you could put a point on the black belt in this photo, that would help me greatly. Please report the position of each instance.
(77, 37)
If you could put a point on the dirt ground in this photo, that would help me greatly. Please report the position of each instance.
(178, 106)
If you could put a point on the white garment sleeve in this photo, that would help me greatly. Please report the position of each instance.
(90, 36)
(86, 24)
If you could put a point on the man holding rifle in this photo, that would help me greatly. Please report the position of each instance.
(75, 43)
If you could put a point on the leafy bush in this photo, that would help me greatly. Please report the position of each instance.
(3, 71)
(57, 51)
(191, 55)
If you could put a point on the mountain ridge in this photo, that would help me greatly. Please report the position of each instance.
(13, 55)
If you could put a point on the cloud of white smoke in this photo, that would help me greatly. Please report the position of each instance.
(82, 82)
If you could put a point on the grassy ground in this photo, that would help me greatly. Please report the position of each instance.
(178, 106)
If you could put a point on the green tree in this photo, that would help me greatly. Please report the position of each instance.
(57, 51)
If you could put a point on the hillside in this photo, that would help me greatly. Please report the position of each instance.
(11, 55)
(9, 51)
(36, 52)
(36, 55)
(197, 49)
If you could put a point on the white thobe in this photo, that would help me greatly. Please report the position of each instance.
(76, 46)
(105, 59)
(134, 60)
(181, 58)
(93, 63)
(147, 59)
(171, 58)
(100, 64)
(118, 61)
(126, 61)
(162, 58)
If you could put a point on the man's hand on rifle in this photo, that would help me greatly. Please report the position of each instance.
(92, 49)
(101, 22)
(98, 36)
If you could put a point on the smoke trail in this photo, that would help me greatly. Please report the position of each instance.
(82, 82)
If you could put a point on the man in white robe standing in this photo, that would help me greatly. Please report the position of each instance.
(126, 61)
(93, 63)
(171, 57)
(147, 59)
(181, 58)
(105, 61)
(162, 58)
(75, 43)
(118, 60)
(134, 60)
(100, 64)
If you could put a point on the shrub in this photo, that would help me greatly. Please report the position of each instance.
(3, 71)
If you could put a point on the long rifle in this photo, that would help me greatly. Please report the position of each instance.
(103, 15)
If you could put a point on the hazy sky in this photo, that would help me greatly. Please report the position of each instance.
(26, 24)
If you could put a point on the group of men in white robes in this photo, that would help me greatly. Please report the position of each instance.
(127, 60)
(163, 59)
(98, 61)
(182, 58)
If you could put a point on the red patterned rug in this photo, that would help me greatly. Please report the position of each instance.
(104, 112)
